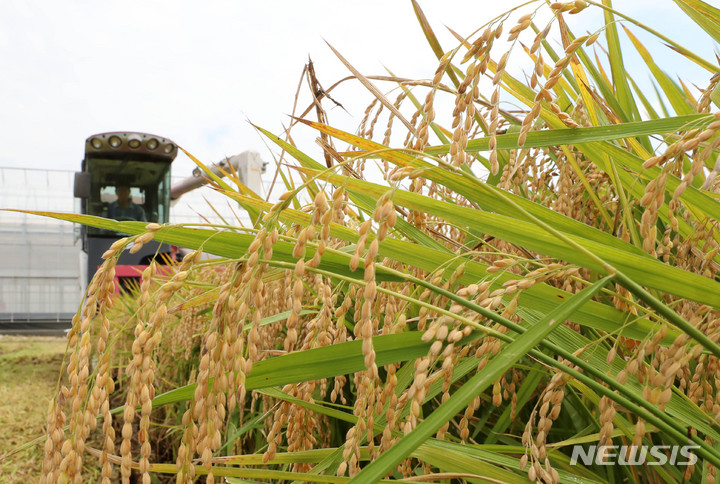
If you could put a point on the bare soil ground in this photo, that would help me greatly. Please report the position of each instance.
(29, 370)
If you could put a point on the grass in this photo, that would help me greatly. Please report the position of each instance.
(29, 368)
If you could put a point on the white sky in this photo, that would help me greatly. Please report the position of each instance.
(195, 72)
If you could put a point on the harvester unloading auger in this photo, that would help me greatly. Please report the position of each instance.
(126, 176)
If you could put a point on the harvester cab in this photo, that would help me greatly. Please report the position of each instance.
(125, 176)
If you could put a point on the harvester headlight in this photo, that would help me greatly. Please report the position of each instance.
(96, 143)
(134, 143)
(152, 144)
(169, 147)
(115, 141)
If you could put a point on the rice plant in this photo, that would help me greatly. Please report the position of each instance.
(478, 295)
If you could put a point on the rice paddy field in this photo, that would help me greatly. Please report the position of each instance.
(29, 370)
(508, 265)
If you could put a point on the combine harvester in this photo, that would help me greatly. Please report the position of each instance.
(126, 176)
(133, 167)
